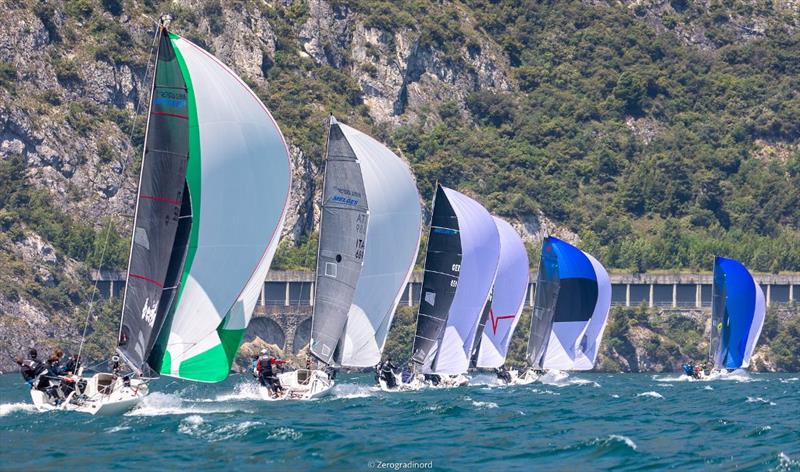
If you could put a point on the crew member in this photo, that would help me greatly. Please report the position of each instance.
(503, 374)
(268, 364)
(387, 373)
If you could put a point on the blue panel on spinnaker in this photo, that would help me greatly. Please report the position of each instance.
(572, 262)
(740, 310)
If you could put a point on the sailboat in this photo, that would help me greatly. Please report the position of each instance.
(573, 298)
(369, 238)
(212, 198)
(737, 317)
(507, 300)
(460, 268)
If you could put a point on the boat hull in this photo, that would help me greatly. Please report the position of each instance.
(304, 384)
(104, 394)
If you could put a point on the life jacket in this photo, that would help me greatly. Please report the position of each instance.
(265, 363)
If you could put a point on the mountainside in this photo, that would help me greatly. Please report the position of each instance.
(655, 133)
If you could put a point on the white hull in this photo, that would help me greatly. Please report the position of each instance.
(738, 374)
(523, 378)
(304, 384)
(104, 394)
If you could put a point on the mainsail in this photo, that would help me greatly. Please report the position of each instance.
(460, 267)
(212, 199)
(737, 315)
(369, 238)
(573, 298)
(508, 297)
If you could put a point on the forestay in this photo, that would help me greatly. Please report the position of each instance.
(508, 297)
(573, 298)
(228, 219)
(737, 316)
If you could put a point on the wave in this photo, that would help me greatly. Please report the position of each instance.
(8, 408)
(616, 439)
(789, 380)
(284, 433)
(354, 391)
(244, 391)
(481, 405)
(117, 429)
(558, 378)
(760, 400)
(786, 463)
(679, 378)
(158, 404)
(544, 392)
(761, 430)
(196, 426)
(651, 394)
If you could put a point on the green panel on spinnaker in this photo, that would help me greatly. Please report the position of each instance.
(238, 166)
(215, 364)
(209, 366)
(231, 340)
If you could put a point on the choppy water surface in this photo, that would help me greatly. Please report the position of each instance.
(620, 421)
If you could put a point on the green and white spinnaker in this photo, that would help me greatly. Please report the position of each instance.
(211, 205)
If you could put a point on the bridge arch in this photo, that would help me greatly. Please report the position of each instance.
(267, 329)
(302, 336)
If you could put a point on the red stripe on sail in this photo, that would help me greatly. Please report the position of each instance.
(163, 113)
(160, 199)
(142, 277)
(496, 320)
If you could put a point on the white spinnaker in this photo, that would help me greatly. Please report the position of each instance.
(480, 253)
(755, 327)
(245, 181)
(585, 357)
(393, 234)
(508, 300)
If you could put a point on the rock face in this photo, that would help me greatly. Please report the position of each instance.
(75, 87)
(399, 73)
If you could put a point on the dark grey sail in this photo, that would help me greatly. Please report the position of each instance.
(442, 266)
(343, 230)
(150, 282)
(476, 344)
(718, 321)
(544, 308)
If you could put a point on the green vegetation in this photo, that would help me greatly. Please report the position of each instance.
(564, 145)
(298, 256)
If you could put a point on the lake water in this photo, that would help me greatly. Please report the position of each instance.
(588, 421)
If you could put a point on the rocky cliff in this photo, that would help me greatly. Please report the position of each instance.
(450, 85)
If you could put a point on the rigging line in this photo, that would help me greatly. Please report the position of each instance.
(125, 164)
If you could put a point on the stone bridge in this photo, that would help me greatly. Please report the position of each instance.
(283, 313)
